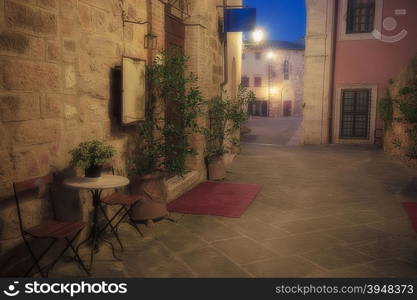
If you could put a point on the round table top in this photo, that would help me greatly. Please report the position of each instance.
(104, 182)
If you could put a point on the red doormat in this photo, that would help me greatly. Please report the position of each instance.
(216, 198)
(411, 209)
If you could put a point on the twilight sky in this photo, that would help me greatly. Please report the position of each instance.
(281, 19)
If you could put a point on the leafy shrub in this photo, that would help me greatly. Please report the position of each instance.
(92, 153)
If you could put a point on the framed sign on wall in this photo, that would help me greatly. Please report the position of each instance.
(133, 90)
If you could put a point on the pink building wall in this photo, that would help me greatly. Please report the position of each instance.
(373, 61)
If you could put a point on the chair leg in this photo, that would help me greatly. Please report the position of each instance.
(131, 222)
(76, 255)
(36, 260)
(61, 254)
(109, 223)
(169, 218)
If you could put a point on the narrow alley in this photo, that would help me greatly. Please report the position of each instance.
(274, 131)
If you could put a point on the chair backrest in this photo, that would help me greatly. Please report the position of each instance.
(28, 185)
(108, 167)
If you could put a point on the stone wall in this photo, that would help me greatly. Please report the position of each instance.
(396, 139)
(317, 70)
(57, 60)
(280, 89)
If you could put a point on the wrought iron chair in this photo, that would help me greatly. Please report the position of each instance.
(126, 203)
(51, 229)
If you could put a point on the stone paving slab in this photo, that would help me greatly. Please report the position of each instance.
(209, 262)
(285, 267)
(243, 250)
(324, 211)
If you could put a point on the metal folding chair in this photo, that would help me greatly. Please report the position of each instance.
(51, 229)
(126, 203)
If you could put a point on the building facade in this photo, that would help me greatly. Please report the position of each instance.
(274, 72)
(56, 87)
(353, 49)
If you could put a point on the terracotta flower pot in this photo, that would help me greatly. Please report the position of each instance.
(235, 149)
(216, 169)
(154, 203)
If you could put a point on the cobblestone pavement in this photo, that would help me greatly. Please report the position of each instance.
(274, 131)
(324, 211)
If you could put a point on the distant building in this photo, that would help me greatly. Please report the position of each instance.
(274, 71)
(353, 49)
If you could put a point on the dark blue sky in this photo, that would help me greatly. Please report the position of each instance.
(282, 19)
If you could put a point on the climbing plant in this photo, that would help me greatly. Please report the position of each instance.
(386, 109)
(407, 106)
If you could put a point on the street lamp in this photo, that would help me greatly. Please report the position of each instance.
(270, 54)
(258, 35)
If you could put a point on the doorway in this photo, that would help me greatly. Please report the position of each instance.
(258, 108)
(287, 112)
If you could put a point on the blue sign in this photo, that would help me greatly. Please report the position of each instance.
(239, 19)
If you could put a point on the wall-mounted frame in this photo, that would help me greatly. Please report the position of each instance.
(133, 90)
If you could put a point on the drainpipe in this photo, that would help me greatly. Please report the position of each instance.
(225, 60)
(332, 72)
(149, 13)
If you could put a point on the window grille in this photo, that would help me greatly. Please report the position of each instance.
(360, 16)
(355, 113)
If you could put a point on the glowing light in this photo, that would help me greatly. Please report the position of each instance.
(272, 91)
(257, 35)
(270, 54)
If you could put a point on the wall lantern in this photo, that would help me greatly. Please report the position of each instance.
(151, 41)
(270, 54)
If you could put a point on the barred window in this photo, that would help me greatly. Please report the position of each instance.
(245, 81)
(360, 16)
(355, 113)
(286, 70)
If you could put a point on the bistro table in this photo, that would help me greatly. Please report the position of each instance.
(96, 187)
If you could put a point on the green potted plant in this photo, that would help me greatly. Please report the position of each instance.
(147, 173)
(238, 116)
(226, 117)
(162, 146)
(215, 135)
(91, 156)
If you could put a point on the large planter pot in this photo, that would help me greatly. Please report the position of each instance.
(235, 149)
(154, 203)
(93, 171)
(216, 169)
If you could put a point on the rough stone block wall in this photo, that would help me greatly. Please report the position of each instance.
(204, 48)
(56, 60)
(396, 139)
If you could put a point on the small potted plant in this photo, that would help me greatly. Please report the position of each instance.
(226, 118)
(216, 134)
(91, 156)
